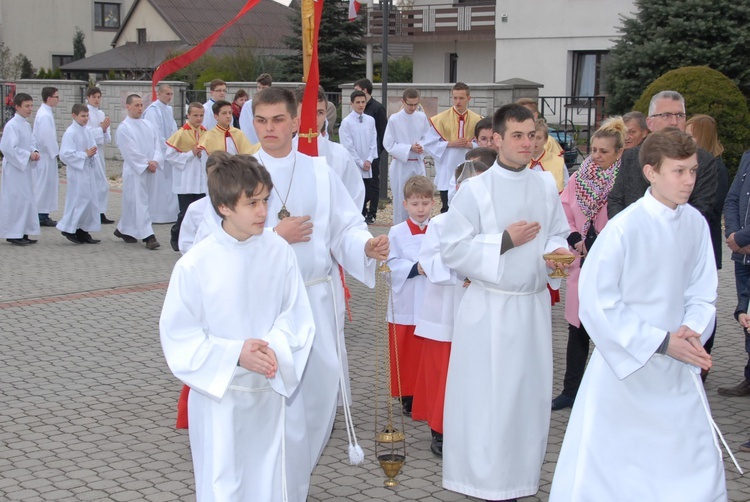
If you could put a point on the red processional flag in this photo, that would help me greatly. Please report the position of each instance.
(308, 127)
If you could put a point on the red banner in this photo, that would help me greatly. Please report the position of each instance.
(172, 65)
(308, 127)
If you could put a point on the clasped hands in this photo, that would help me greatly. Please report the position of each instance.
(685, 345)
(258, 357)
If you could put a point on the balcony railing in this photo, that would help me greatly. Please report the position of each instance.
(432, 23)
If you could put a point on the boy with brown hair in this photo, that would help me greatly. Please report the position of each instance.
(241, 350)
(408, 282)
(217, 90)
(648, 314)
(224, 137)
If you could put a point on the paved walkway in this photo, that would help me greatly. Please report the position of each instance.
(87, 403)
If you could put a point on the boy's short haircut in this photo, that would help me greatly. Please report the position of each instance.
(460, 86)
(356, 94)
(668, 143)
(478, 165)
(485, 123)
(299, 94)
(420, 186)
(216, 83)
(93, 91)
(485, 155)
(48, 92)
(194, 104)
(540, 125)
(365, 84)
(276, 95)
(234, 175)
(79, 108)
(322, 94)
(21, 98)
(264, 79)
(509, 113)
(529, 103)
(410, 93)
(241, 93)
(131, 97)
(216, 107)
(216, 157)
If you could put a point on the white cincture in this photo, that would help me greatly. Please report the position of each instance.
(493, 289)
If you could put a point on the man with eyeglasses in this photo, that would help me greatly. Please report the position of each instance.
(404, 137)
(667, 109)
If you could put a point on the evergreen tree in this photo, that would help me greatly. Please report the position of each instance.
(79, 52)
(669, 34)
(27, 69)
(341, 50)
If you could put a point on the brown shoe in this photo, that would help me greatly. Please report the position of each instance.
(741, 389)
(152, 243)
(127, 238)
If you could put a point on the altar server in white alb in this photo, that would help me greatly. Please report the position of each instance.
(46, 179)
(99, 124)
(18, 215)
(163, 205)
(641, 427)
(496, 233)
(78, 153)
(236, 327)
(404, 137)
(217, 91)
(142, 155)
(358, 135)
(312, 210)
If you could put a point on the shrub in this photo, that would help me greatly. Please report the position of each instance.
(709, 91)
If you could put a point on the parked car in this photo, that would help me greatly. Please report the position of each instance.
(568, 144)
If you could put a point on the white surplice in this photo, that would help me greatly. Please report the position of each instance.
(408, 294)
(46, 179)
(358, 135)
(188, 171)
(340, 234)
(343, 165)
(18, 211)
(246, 122)
(102, 138)
(138, 143)
(447, 159)
(402, 132)
(499, 383)
(200, 221)
(220, 294)
(162, 199)
(641, 428)
(84, 176)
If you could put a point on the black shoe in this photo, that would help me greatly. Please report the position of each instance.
(104, 220)
(127, 238)
(562, 401)
(18, 242)
(369, 219)
(741, 389)
(29, 241)
(436, 446)
(175, 245)
(151, 242)
(47, 222)
(85, 237)
(406, 402)
(72, 237)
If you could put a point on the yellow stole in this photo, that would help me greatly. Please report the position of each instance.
(215, 141)
(186, 138)
(449, 124)
(553, 164)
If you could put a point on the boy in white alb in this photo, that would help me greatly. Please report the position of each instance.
(99, 127)
(46, 179)
(403, 139)
(241, 350)
(641, 427)
(217, 91)
(358, 135)
(408, 284)
(79, 153)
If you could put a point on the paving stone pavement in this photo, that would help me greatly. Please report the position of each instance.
(87, 403)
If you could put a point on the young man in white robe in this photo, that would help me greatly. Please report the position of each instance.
(163, 205)
(18, 213)
(358, 135)
(78, 152)
(450, 137)
(217, 91)
(403, 139)
(496, 233)
(186, 158)
(641, 428)
(46, 178)
(142, 155)
(263, 81)
(311, 209)
(99, 125)
(241, 350)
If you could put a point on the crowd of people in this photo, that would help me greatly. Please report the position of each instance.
(253, 319)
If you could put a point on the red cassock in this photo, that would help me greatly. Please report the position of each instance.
(409, 357)
(429, 391)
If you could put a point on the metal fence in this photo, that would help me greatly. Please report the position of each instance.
(576, 116)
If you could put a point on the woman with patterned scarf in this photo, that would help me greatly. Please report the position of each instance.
(585, 202)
